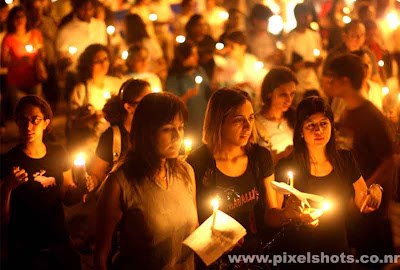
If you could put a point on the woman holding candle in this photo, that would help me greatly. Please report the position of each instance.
(152, 195)
(320, 168)
(22, 54)
(275, 121)
(119, 111)
(190, 82)
(36, 179)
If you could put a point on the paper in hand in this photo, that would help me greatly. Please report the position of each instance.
(211, 244)
(284, 189)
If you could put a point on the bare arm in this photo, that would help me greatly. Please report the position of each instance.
(108, 214)
(366, 202)
(98, 170)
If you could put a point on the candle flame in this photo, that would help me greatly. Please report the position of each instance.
(224, 15)
(110, 29)
(381, 63)
(346, 19)
(29, 48)
(187, 143)
(219, 46)
(385, 90)
(258, 65)
(180, 39)
(72, 50)
(9, 2)
(317, 52)
(80, 160)
(275, 24)
(314, 26)
(215, 203)
(107, 95)
(280, 45)
(326, 205)
(153, 17)
(124, 55)
(156, 90)
(346, 10)
(290, 174)
(198, 79)
(393, 20)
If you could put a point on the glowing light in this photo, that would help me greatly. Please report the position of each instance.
(290, 174)
(53, 1)
(258, 65)
(72, 50)
(314, 26)
(9, 2)
(398, 95)
(385, 90)
(153, 17)
(188, 146)
(393, 20)
(316, 52)
(198, 79)
(110, 29)
(107, 95)
(224, 15)
(180, 39)
(346, 19)
(215, 203)
(381, 63)
(275, 24)
(346, 10)
(326, 205)
(29, 48)
(80, 160)
(275, 8)
(124, 55)
(280, 45)
(156, 89)
(219, 46)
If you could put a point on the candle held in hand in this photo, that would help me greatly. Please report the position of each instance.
(188, 146)
(290, 174)
(215, 203)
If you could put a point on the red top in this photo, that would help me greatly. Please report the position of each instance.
(24, 75)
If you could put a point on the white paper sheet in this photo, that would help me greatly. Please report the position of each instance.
(284, 188)
(211, 244)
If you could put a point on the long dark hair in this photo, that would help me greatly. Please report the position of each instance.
(86, 60)
(135, 29)
(275, 78)
(305, 109)
(11, 18)
(35, 101)
(182, 52)
(154, 111)
(114, 110)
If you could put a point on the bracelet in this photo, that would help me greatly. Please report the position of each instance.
(377, 185)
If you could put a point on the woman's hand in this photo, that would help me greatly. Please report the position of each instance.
(295, 211)
(371, 199)
(17, 177)
(89, 183)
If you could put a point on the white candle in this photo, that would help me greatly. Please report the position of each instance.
(290, 174)
(215, 203)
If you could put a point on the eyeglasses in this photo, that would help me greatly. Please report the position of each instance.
(34, 120)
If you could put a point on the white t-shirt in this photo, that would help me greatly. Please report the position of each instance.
(151, 78)
(280, 134)
(304, 44)
(97, 96)
(261, 45)
(215, 21)
(80, 35)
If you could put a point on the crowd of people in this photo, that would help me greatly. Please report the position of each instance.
(261, 88)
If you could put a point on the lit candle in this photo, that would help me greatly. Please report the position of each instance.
(314, 26)
(346, 10)
(80, 163)
(219, 46)
(317, 52)
(156, 89)
(198, 79)
(215, 203)
(188, 146)
(180, 39)
(110, 29)
(107, 95)
(29, 48)
(393, 20)
(224, 15)
(153, 17)
(9, 2)
(258, 65)
(290, 174)
(72, 50)
(346, 19)
(381, 63)
(280, 45)
(124, 55)
(385, 90)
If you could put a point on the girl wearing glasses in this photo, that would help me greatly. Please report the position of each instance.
(36, 179)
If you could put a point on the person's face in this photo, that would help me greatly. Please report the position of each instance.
(317, 130)
(367, 65)
(238, 125)
(169, 138)
(282, 96)
(131, 106)
(20, 19)
(140, 62)
(355, 38)
(101, 63)
(303, 20)
(31, 124)
(200, 29)
(86, 12)
(192, 60)
(335, 85)
(234, 50)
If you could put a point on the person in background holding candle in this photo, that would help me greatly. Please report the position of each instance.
(137, 63)
(152, 194)
(181, 81)
(36, 179)
(276, 119)
(322, 169)
(20, 61)
(119, 111)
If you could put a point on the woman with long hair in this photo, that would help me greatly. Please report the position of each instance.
(322, 169)
(36, 179)
(119, 112)
(275, 120)
(182, 82)
(152, 195)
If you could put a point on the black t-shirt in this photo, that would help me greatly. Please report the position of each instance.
(36, 213)
(105, 147)
(330, 235)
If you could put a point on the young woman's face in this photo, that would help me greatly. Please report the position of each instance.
(282, 97)
(169, 138)
(317, 130)
(238, 125)
(31, 124)
(101, 63)
(20, 19)
(355, 38)
(193, 59)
